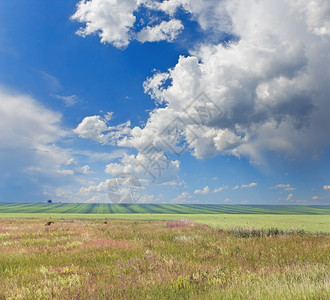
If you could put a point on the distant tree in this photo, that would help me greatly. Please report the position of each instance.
(49, 201)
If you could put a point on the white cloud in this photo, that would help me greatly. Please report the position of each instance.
(64, 172)
(110, 19)
(227, 200)
(93, 156)
(96, 128)
(264, 84)
(245, 186)
(149, 169)
(145, 198)
(315, 198)
(289, 197)
(84, 170)
(205, 191)
(210, 15)
(124, 188)
(290, 189)
(326, 187)
(164, 31)
(220, 189)
(93, 127)
(184, 197)
(70, 162)
(101, 187)
(250, 185)
(271, 85)
(30, 159)
(281, 186)
(316, 13)
(68, 100)
(114, 22)
(285, 187)
(24, 122)
(168, 6)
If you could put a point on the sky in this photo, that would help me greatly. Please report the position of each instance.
(176, 101)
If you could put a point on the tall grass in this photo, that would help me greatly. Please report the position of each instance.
(124, 259)
(309, 223)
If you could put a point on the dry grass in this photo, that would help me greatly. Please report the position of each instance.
(86, 259)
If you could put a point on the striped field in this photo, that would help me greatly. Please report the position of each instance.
(104, 208)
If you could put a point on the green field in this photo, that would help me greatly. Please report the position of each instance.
(308, 218)
(95, 208)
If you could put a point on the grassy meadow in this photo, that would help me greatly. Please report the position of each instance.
(102, 251)
(124, 259)
(308, 223)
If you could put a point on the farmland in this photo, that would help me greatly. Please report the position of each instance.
(105, 208)
(102, 251)
(308, 218)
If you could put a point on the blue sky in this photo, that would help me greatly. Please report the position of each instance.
(88, 90)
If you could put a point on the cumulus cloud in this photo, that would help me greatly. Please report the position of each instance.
(164, 31)
(204, 191)
(101, 187)
(266, 90)
(96, 128)
(267, 84)
(119, 22)
(110, 19)
(149, 169)
(115, 22)
(326, 187)
(150, 164)
(210, 15)
(124, 188)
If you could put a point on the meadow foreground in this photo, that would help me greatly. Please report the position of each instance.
(123, 259)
